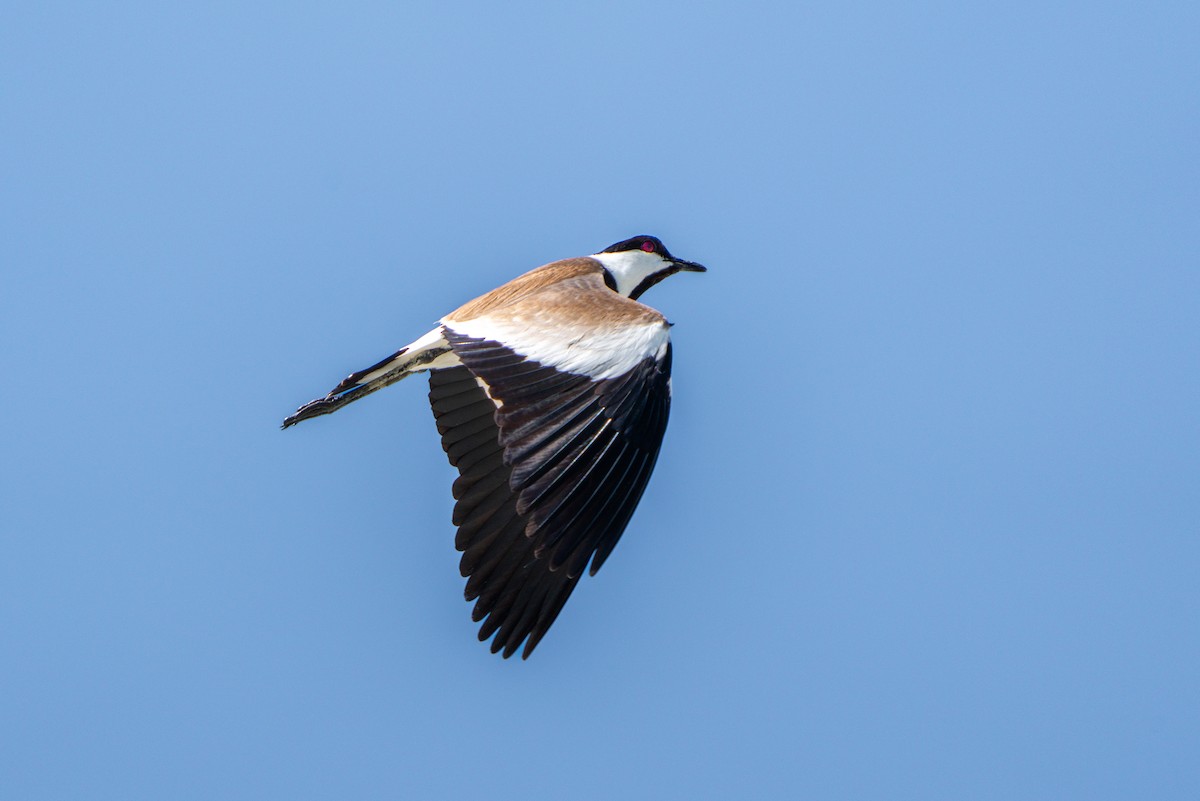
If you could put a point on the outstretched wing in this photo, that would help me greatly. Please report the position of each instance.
(552, 463)
(515, 591)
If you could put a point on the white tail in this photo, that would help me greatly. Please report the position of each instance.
(430, 352)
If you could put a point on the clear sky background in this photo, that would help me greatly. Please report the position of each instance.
(926, 523)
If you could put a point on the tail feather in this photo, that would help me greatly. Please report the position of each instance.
(418, 356)
(356, 379)
(330, 403)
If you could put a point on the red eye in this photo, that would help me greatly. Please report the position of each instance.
(648, 247)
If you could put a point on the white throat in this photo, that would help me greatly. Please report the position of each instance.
(631, 267)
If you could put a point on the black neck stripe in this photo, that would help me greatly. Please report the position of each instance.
(609, 280)
(651, 280)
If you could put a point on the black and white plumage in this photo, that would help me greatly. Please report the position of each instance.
(551, 394)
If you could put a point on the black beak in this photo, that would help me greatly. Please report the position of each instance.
(689, 266)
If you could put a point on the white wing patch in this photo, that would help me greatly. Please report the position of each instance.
(570, 347)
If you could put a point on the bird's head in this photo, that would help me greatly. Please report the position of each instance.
(633, 266)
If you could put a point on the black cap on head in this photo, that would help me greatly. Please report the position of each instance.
(650, 244)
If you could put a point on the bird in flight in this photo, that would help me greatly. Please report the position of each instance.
(551, 396)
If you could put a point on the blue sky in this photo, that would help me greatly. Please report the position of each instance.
(925, 524)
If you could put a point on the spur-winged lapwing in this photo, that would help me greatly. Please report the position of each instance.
(551, 395)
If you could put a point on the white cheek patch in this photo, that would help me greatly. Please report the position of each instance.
(597, 352)
(631, 267)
